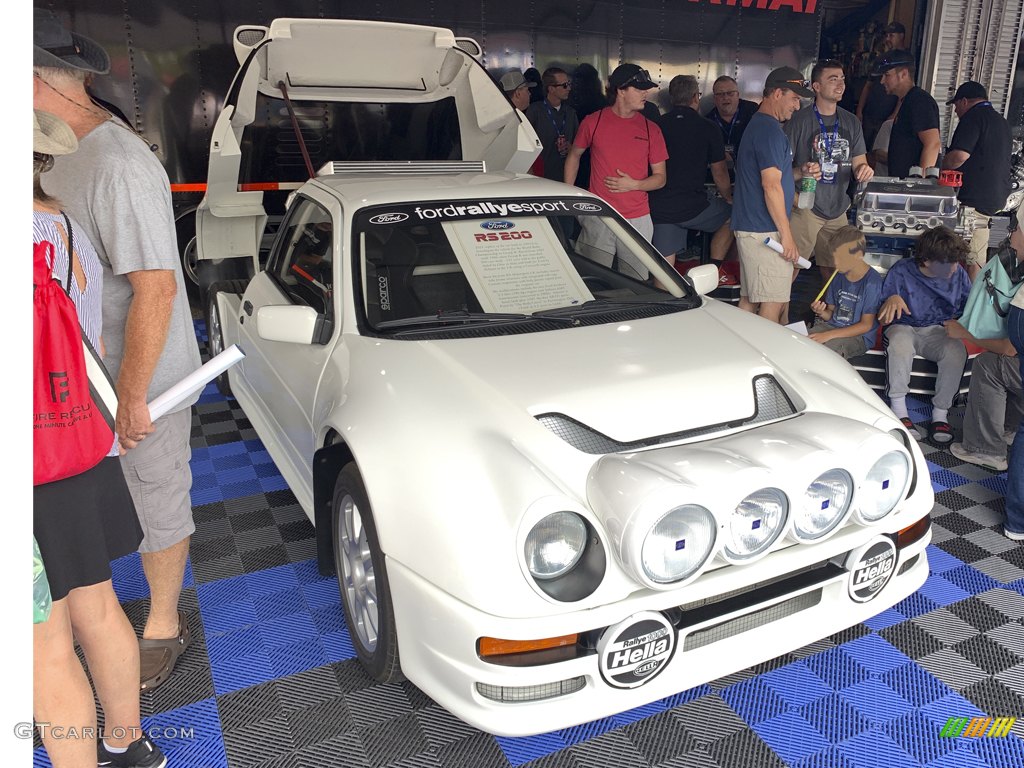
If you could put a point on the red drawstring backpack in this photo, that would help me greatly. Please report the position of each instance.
(70, 433)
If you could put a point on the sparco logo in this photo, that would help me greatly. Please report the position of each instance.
(388, 218)
(635, 651)
(497, 225)
(871, 566)
(588, 207)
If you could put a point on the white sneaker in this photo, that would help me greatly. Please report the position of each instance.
(981, 459)
(1012, 535)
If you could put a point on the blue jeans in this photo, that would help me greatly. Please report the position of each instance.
(1015, 473)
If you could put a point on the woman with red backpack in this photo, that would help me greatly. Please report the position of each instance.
(83, 515)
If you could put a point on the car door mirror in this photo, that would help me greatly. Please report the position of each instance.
(704, 278)
(292, 323)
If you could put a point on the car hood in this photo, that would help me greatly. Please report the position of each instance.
(628, 381)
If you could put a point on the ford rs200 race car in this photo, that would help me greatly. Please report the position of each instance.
(555, 481)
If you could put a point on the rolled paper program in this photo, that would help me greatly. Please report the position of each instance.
(776, 246)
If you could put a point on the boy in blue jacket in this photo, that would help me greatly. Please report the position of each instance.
(918, 296)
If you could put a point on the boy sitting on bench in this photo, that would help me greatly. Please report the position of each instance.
(918, 296)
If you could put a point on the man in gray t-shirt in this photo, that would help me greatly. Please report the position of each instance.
(117, 190)
(827, 134)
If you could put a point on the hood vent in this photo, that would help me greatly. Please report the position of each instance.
(770, 404)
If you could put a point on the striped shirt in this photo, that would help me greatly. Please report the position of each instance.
(50, 227)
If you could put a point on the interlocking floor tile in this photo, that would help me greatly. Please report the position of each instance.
(271, 679)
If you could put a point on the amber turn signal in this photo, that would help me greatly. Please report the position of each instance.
(493, 646)
(912, 533)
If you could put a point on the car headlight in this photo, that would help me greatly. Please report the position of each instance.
(883, 487)
(555, 545)
(755, 524)
(824, 505)
(678, 543)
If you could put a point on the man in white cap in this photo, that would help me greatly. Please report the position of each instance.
(517, 88)
(117, 189)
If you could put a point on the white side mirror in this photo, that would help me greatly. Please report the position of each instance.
(704, 278)
(290, 323)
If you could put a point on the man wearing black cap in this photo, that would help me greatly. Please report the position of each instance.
(915, 129)
(623, 145)
(980, 149)
(763, 197)
(116, 188)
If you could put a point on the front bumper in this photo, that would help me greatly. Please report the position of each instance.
(438, 634)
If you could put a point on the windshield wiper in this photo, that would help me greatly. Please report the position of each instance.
(464, 316)
(598, 306)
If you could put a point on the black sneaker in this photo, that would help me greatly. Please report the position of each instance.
(141, 753)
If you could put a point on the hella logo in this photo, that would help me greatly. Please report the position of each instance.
(588, 207)
(388, 218)
(497, 225)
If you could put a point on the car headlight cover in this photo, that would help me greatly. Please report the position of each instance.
(678, 543)
(555, 545)
(824, 505)
(883, 487)
(755, 524)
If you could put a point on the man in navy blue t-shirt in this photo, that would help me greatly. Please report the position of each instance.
(763, 197)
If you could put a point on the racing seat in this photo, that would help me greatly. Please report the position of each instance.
(389, 258)
(437, 282)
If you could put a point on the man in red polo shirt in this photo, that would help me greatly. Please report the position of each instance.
(627, 160)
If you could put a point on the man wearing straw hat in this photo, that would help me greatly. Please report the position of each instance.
(117, 189)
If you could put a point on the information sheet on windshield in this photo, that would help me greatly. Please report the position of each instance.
(516, 264)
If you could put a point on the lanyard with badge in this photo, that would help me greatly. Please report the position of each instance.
(561, 142)
(829, 167)
(728, 136)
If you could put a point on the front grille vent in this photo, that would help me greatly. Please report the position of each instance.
(770, 404)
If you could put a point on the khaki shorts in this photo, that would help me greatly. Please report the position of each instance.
(764, 275)
(978, 254)
(160, 479)
(597, 243)
(812, 234)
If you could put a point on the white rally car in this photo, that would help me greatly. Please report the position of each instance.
(555, 483)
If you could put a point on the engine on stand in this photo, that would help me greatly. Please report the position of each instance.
(892, 213)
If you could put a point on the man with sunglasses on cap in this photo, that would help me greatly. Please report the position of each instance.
(116, 188)
(914, 139)
(763, 197)
(980, 149)
(623, 146)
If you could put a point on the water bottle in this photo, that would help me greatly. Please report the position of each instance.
(807, 186)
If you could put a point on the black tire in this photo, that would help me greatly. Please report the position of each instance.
(365, 592)
(215, 329)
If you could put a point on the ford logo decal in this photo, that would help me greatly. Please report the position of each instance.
(588, 207)
(388, 218)
(497, 225)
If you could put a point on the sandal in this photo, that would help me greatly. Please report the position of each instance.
(940, 432)
(158, 657)
(909, 425)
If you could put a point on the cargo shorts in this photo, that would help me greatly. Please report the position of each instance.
(160, 480)
(764, 275)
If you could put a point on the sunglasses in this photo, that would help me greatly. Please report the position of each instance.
(642, 75)
(800, 83)
(727, 93)
(566, 84)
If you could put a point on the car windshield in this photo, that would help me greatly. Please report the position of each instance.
(508, 266)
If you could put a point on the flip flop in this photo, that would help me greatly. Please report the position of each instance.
(909, 425)
(940, 432)
(158, 657)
